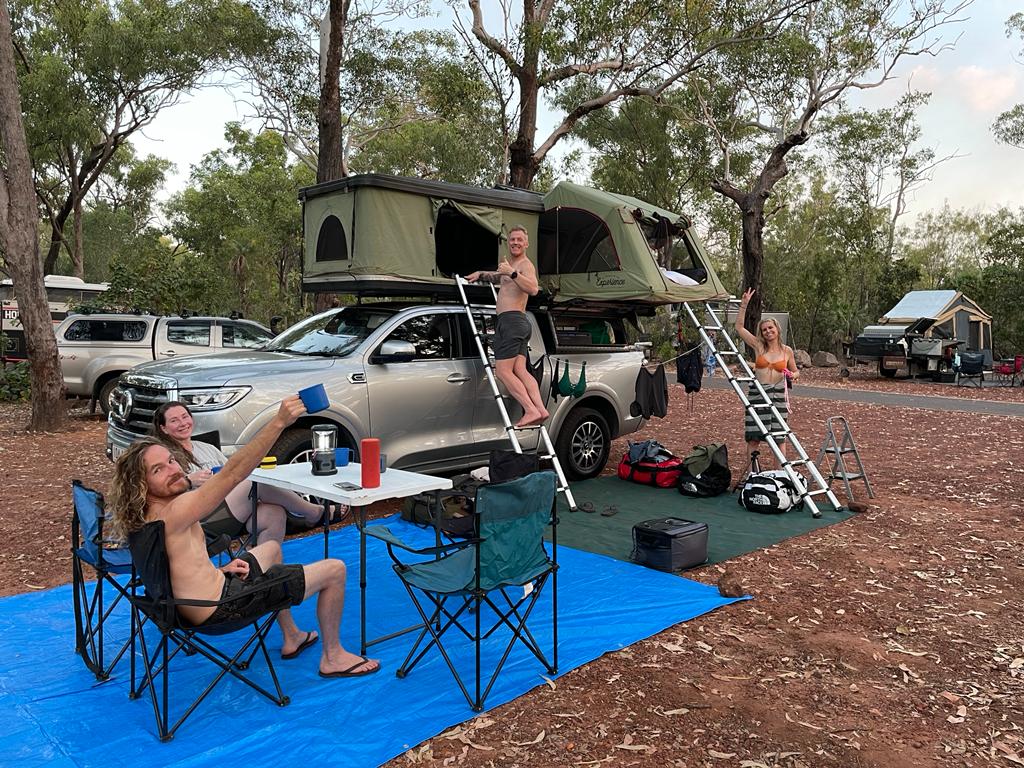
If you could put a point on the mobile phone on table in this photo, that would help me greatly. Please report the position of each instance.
(348, 486)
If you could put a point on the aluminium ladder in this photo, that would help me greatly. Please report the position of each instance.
(730, 354)
(510, 429)
(834, 449)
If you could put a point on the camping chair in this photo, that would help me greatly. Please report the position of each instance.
(502, 570)
(971, 369)
(1010, 370)
(109, 560)
(159, 605)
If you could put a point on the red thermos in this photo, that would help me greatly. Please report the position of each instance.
(369, 458)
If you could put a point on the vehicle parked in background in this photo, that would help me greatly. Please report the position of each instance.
(95, 349)
(408, 374)
(895, 347)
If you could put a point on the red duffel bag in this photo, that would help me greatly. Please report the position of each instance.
(650, 463)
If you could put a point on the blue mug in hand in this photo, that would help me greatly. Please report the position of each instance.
(314, 398)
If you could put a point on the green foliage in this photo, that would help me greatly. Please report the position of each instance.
(242, 227)
(1009, 126)
(15, 385)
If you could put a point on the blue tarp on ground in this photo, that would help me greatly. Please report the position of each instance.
(53, 713)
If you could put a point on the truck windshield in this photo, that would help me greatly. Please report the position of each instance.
(332, 334)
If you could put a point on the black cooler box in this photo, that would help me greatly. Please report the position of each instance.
(670, 543)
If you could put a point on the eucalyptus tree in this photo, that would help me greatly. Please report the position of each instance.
(1009, 126)
(19, 244)
(240, 221)
(95, 72)
(582, 56)
(777, 88)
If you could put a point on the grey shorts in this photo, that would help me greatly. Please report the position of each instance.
(511, 335)
(249, 607)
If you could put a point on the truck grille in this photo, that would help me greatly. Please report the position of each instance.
(142, 396)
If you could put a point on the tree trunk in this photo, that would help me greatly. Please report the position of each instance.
(330, 162)
(77, 245)
(753, 258)
(19, 241)
(522, 165)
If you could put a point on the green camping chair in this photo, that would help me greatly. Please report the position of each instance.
(496, 576)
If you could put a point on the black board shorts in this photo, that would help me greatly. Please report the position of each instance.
(251, 605)
(511, 335)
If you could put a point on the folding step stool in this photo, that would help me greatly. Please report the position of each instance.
(510, 429)
(833, 450)
(731, 354)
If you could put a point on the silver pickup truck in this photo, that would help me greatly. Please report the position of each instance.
(95, 349)
(409, 374)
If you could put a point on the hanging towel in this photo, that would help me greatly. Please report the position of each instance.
(651, 394)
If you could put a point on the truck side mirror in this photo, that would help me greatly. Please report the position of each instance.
(394, 351)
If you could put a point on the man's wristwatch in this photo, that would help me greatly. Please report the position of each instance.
(514, 274)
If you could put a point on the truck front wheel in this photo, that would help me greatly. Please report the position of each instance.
(583, 444)
(290, 444)
(103, 396)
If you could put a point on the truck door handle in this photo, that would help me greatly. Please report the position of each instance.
(457, 378)
(169, 353)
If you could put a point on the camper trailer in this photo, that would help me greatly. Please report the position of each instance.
(63, 293)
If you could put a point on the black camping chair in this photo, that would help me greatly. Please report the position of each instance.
(158, 604)
(971, 369)
(502, 570)
(95, 602)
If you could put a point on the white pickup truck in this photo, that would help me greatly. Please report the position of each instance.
(96, 349)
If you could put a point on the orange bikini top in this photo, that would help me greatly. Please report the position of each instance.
(762, 362)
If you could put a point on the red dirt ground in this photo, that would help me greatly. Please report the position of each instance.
(893, 638)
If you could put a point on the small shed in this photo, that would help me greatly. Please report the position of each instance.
(953, 313)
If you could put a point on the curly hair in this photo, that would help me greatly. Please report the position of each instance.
(127, 498)
(181, 454)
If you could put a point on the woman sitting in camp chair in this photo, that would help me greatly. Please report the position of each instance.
(173, 426)
(774, 364)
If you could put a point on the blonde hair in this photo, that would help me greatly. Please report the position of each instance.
(778, 331)
(127, 498)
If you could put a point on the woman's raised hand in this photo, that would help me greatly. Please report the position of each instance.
(199, 477)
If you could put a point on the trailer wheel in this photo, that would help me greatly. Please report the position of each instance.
(888, 373)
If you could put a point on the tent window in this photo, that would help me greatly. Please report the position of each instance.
(331, 244)
(574, 241)
(673, 248)
(463, 246)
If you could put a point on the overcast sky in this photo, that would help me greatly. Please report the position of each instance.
(970, 86)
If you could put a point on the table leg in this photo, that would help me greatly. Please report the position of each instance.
(327, 525)
(362, 580)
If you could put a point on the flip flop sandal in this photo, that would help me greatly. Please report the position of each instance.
(310, 639)
(610, 510)
(587, 506)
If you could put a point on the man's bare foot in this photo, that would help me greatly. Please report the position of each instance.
(345, 664)
(532, 417)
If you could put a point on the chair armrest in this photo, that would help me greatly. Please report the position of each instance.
(248, 590)
(384, 533)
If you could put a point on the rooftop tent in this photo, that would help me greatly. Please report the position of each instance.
(953, 313)
(378, 234)
(600, 246)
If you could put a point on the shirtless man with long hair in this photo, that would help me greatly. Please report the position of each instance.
(149, 485)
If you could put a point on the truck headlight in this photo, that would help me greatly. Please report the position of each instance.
(212, 399)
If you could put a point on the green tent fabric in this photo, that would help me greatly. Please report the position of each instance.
(362, 232)
(732, 530)
(638, 277)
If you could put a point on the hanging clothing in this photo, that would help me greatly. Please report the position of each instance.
(651, 393)
(690, 370)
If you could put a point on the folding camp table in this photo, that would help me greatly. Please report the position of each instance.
(394, 484)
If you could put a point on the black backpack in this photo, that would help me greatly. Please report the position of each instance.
(706, 471)
(457, 518)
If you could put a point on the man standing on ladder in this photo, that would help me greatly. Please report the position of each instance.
(517, 281)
